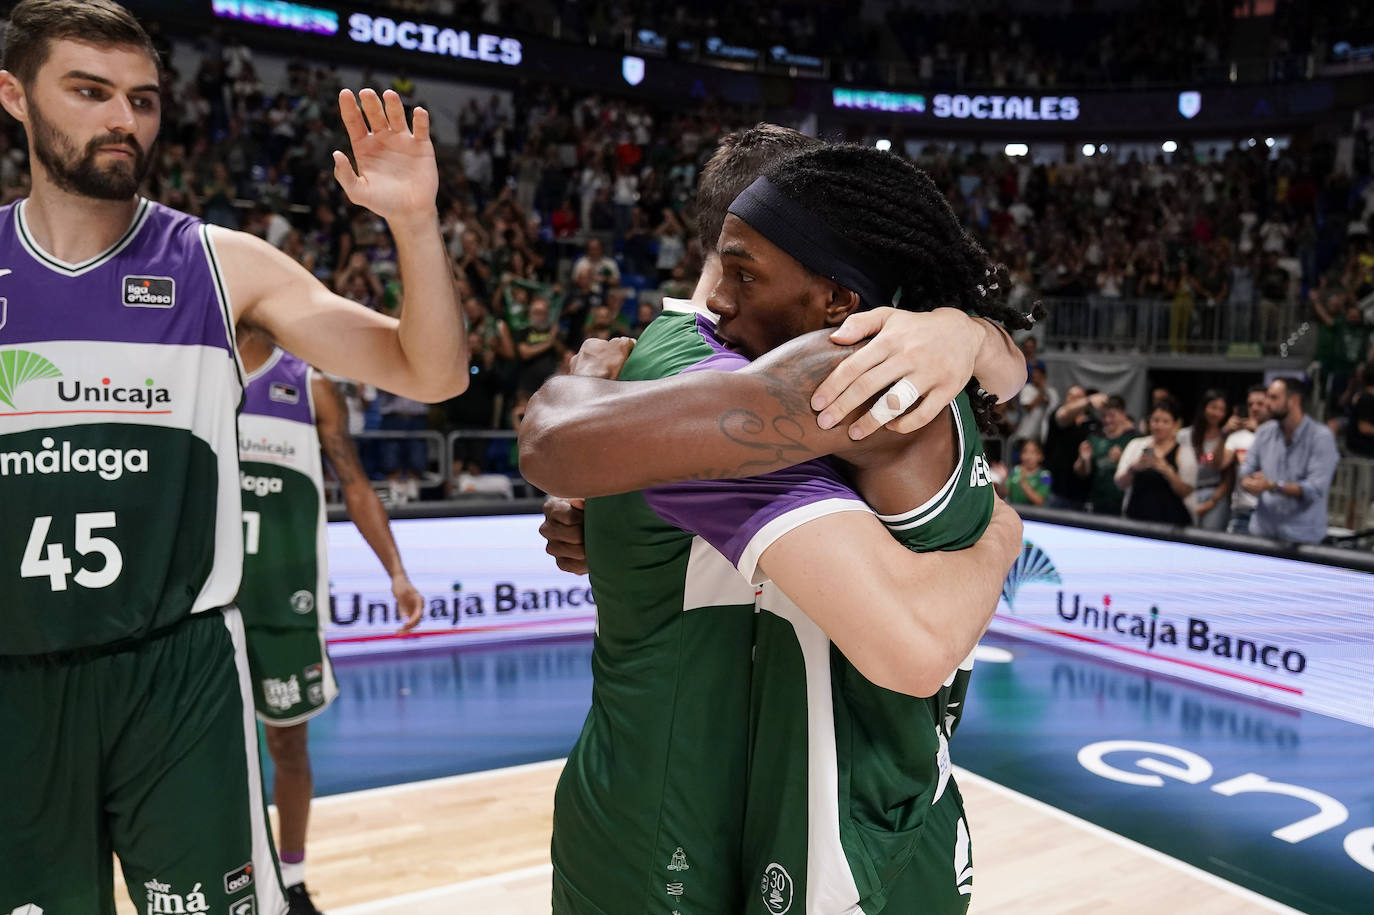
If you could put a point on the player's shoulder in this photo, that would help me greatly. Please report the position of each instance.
(672, 343)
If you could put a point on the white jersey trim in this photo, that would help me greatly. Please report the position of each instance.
(267, 887)
(940, 501)
(68, 269)
(767, 535)
(711, 580)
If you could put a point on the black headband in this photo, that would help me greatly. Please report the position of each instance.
(805, 236)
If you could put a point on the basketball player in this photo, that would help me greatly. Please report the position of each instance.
(121, 658)
(290, 414)
(802, 528)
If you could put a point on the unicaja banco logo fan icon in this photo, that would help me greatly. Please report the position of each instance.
(1034, 564)
(18, 366)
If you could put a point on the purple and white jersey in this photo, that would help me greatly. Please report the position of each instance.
(119, 385)
(285, 568)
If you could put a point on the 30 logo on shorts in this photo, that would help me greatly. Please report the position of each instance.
(303, 602)
(239, 878)
(776, 889)
(244, 906)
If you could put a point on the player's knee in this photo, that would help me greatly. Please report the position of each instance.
(288, 748)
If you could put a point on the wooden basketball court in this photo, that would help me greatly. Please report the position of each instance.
(480, 843)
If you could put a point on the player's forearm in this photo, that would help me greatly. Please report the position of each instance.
(999, 366)
(431, 332)
(959, 594)
(905, 620)
(370, 517)
(584, 437)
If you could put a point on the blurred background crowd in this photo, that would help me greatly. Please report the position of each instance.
(570, 216)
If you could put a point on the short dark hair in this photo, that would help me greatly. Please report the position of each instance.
(1116, 402)
(1293, 387)
(1170, 406)
(739, 159)
(1256, 389)
(35, 24)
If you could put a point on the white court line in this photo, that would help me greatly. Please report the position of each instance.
(1208, 877)
(444, 892)
(404, 787)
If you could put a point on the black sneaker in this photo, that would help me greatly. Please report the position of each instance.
(298, 901)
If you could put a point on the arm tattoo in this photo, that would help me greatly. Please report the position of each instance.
(779, 435)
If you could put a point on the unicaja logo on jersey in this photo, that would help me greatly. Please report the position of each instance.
(1034, 564)
(18, 367)
(147, 396)
(249, 448)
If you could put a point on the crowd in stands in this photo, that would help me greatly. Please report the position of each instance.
(1262, 466)
(571, 217)
(979, 44)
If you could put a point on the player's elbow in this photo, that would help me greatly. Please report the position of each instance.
(910, 666)
(445, 386)
(540, 433)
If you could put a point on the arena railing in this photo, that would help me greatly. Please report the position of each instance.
(1152, 326)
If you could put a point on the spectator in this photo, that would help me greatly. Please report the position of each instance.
(1207, 438)
(403, 459)
(1359, 434)
(1183, 288)
(1065, 442)
(1115, 433)
(596, 265)
(1159, 476)
(644, 316)
(1342, 344)
(538, 347)
(1030, 482)
(1238, 443)
(1289, 468)
(1038, 400)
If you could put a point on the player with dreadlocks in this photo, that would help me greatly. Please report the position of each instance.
(891, 826)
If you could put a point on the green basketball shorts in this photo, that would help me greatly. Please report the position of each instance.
(293, 680)
(149, 751)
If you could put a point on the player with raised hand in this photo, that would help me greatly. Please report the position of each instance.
(121, 655)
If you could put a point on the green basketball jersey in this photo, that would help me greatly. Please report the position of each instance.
(285, 574)
(118, 388)
(649, 812)
(829, 829)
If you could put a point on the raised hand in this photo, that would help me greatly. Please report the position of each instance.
(396, 176)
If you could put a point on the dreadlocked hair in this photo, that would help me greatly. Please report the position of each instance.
(889, 208)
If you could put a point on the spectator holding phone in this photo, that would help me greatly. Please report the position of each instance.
(1156, 474)
(1207, 437)
(1239, 440)
(1107, 444)
(1068, 456)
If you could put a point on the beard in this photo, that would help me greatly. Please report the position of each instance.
(76, 171)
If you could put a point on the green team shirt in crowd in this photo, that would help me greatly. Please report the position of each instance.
(649, 811)
(285, 573)
(834, 829)
(1106, 497)
(1039, 482)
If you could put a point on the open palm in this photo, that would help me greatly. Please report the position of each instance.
(396, 175)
